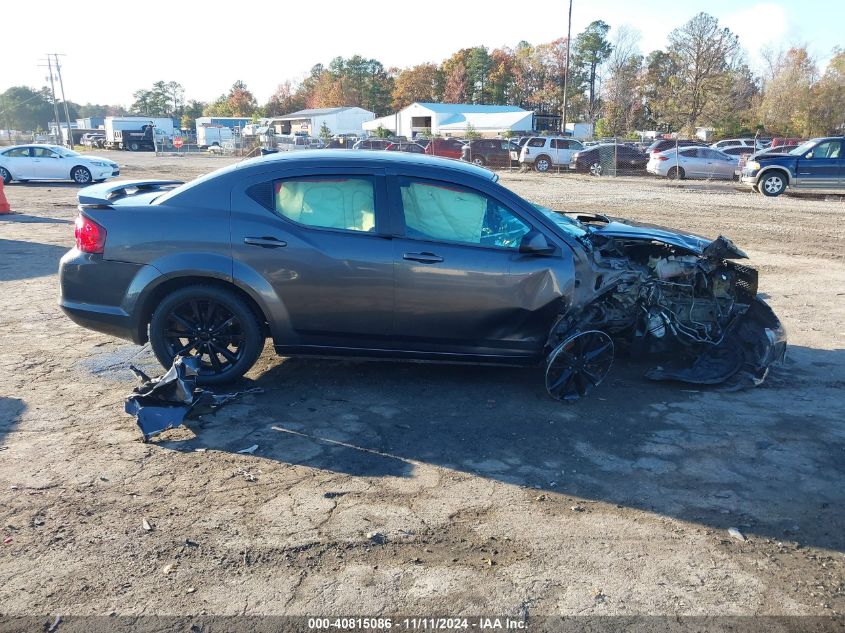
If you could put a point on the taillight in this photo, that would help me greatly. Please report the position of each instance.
(662, 157)
(90, 236)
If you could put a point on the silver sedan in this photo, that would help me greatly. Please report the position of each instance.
(693, 162)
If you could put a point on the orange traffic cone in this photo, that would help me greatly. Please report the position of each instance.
(4, 204)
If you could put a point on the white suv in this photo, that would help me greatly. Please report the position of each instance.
(545, 152)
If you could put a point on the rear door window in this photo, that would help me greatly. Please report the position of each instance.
(330, 202)
(537, 142)
(18, 152)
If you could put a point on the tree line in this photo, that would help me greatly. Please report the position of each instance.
(701, 79)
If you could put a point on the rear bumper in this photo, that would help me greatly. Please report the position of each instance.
(101, 295)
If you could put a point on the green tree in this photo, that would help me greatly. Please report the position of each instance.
(470, 133)
(325, 132)
(165, 98)
(382, 132)
(703, 57)
(192, 111)
(26, 109)
(590, 50)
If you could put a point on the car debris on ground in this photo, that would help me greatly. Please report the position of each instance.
(164, 403)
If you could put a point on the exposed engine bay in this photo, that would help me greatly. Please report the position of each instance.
(696, 316)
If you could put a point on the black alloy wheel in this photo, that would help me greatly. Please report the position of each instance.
(211, 323)
(578, 364)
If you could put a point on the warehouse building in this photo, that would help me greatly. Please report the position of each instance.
(454, 119)
(342, 120)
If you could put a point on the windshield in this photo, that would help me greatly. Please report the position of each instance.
(62, 151)
(570, 225)
(804, 147)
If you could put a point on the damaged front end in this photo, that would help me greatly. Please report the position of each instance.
(677, 300)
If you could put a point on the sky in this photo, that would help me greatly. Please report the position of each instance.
(116, 48)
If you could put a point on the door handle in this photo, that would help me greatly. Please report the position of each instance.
(265, 242)
(423, 258)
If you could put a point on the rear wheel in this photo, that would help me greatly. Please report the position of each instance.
(211, 323)
(676, 173)
(5, 175)
(542, 164)
(772, 184)
(80, 175)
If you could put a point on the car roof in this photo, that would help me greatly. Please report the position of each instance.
(349, 158)
(29, 145)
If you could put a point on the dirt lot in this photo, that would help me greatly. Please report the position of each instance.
(487, 496)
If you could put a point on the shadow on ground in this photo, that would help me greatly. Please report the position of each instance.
(32, 219)
(11, 410)
(769, 460)
(41, 259)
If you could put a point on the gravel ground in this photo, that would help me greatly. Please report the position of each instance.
(388, 488)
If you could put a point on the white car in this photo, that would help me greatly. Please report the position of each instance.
(737, 142)
(693, 162)
(545, 152)
(53, 162)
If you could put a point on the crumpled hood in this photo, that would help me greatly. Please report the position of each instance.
(721, 247)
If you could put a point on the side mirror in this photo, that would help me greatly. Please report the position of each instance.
(535, 243)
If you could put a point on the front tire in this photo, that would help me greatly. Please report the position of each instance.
(134, 147)
(595, 169)
(542, 164)
(772, 184)
(479, 161)
(212, 323)
(80, 175)
(5, 175)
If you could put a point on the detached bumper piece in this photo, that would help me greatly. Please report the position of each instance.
(742, 359)
(164, 403)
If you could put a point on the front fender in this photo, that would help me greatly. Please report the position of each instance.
(781, 168)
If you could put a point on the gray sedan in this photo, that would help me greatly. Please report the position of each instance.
(388, 254)
(693, 162)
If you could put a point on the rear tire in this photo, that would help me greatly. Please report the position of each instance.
(542, 164)
(210, 322)
(676, 173)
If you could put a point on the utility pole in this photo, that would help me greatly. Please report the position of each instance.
(55, 105)
(566, 74)
(62, 88)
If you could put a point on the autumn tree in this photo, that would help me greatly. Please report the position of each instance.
(418, 83)
(456, 88)
(829, 96)
(284, 100)
(787, 100)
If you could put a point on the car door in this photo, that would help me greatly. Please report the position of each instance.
(49, 165)
(820, 167)
(690, 162)
(19, 163)
(719, 164)
(462, 287)
(316, 240)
